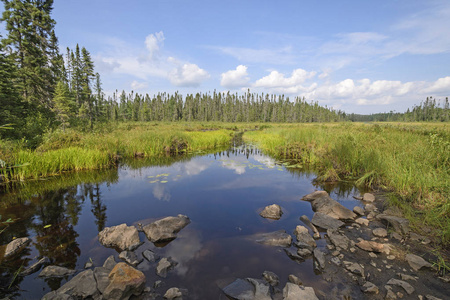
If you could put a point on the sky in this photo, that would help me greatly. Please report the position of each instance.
(356, 56)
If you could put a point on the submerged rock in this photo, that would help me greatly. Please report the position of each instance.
(82, 286)
(308, 223)
(16, 246)
(295, 292)
(294, 279)
(165, 229)
(173, 293)
(150, 255)
(322, 202)
(271, 278)
(276, 238)
(164, 265)
(125, 281)
(35, 267)
(56, 271)
(326, 222)
(121, 236)
(417, 262)
(130, 257)
(272, 212)
(248, 289)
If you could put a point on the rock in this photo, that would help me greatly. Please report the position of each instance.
(354, 268)
(362, 221)
(380, 232)
(322, 202)
(370, 288)
(326, 222)
(294, 279)
(293, 255)
(319, 258)
(294, 292)
(359, 210)
(89, 264)
(371, 215)
(56, 271)
(304, 252)
(165, 229)
(336, 261)
(406, 277)
(82, 286)
(16, 246)
(303, 236)
(368, 197)
(173, 293)
(338, 240)
(417, 262)
(271, 278)
(150, 255)
(390, 295)
(121, 236)
(276, 238)
(110, 263)
(164, 265)
(419, 238)
(247, 289)
(400, 225)
(130, 257)
(370, 208)
(272, 212)
(35, 267)
(124, 281)
(370, 246)
(406, 286)
(301, 245)
(101, 275)
(308, 223)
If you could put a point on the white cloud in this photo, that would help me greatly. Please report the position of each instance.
(188, 75)
(136, 85)
(154, 42)
(277, 79)
(441, 85)
(235, 78)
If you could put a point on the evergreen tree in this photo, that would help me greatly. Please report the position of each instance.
(62, 104)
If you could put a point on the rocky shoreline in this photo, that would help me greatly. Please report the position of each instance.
(364, 253)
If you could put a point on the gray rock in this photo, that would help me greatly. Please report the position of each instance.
(16, 246)
(308, 223)
(380, 232)
(336, 261)
(125, 281)
(164, 265)
(56, 271)
(359, 210)
(400, 225)
(303, 236)
(301, 245)
(272, 212)
(293, 255)
(417, 262)
(419, 238)
(354, 268)
(295, 280)
(319, 258)
(130, 257)
(271, 278)
(406, 286)
(370, 208)
(173, 293)
(370, 246)
(390, 295)
(338, 240)
(101, 277)
(304, 252)
(326, 222)
(370, 288)
(150, 255)
(276, 238)
(35, 267)
(82, 286)
(110, 263)
(121, 236)
(368, 197)
(295, 292)
(406, 277)
(165, 229)
(322, 202)
(248, 289)
(362, 221)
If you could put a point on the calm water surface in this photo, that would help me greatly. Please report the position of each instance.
(221, 193)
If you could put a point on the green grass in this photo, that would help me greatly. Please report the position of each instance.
(409, 160)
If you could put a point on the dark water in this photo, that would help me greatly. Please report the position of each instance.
(221, 193)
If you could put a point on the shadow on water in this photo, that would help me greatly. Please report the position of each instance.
(222, 193)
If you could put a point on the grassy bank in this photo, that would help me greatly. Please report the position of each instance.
(410, 160)
(73, 150)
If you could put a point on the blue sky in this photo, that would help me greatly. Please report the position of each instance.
(357, 56)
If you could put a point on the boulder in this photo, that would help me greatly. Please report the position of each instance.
(101, 275)
(164, 265)
(82, 286)
(303, 236)
(272, 212)
(322, 202)
(417, 262)
(359, 210)
(56, 271)
(271, 278)
(326, 222)
(165, 229)
(380, 232)
(362, 221)
(370, 246)
(338, 240)
(308, 223)
(248, 289)
(399, 224)
(130, 257)
(124, 281)
(173, 293)
(368, 197)
(294, 292)
(16, 246)
(276, 238)
(122, 237)
(406, 286)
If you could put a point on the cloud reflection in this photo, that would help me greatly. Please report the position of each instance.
(183, 249)
(161, 192)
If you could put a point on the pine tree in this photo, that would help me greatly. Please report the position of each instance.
(62, 104)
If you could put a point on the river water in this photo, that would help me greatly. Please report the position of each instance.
(222, 193)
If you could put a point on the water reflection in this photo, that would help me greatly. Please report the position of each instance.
(185, 248)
